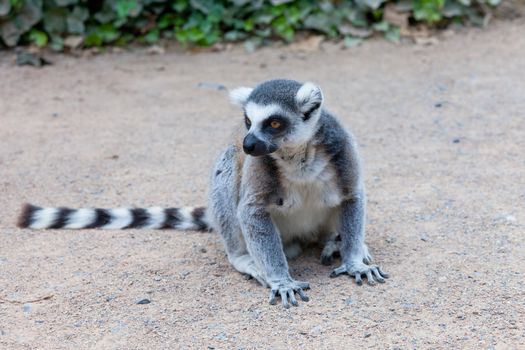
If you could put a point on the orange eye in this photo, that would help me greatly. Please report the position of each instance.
(275, 124)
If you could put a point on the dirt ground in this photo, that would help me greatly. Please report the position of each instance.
(442, 134)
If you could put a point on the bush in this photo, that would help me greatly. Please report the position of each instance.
(205, 22)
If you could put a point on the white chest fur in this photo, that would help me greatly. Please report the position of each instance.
(311, 196)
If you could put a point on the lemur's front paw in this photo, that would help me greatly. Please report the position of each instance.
(287, 289)
(357, 269)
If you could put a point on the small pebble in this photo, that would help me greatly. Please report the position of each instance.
(110, 297)
(203, 250)
(213, 86)
(438, 105)
(390, 239)
(367, 335)
(456, 140)
(143, 301)
(221, 336)
(26, 308)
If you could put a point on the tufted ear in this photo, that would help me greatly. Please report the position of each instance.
(309, 99)
(240, 95)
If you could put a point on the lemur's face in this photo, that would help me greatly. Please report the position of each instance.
(278, 114)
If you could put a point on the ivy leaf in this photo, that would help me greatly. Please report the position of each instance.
(152, 36)
(75, 21)
(350, 41)
(393, 34)
(374, 4)
(125, 8)
(63, 3)
(55, 20)
(381, 26)
(29, 15)
(38, 37)
(5, 7)
(179, 5)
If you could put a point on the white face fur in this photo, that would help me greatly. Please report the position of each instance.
(296, 127)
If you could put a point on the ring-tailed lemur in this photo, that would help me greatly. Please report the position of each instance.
(291, 177)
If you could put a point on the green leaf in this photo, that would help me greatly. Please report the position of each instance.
(57, 43)
(393, 34)
(29, 13)
(234, 35)
(152, 36)
(179, 5)
(108, 33)
(452, 9)
(5, 7)
(350, 41)
(75, 25)
(429, 10)
(381, 26)
(374, 4)
(63, 3)
(55, 20)
(38, 37)
(248, 25)
(93, 39)
(127, 8)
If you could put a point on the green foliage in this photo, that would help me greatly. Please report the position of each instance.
(206, 22)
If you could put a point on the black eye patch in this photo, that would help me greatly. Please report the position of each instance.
(275, 124)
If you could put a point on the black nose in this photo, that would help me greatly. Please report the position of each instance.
(256, 147)
(249, 143)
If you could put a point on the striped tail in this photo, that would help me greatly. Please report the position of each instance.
(186, 218)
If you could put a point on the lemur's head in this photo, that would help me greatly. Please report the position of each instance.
(278, 114)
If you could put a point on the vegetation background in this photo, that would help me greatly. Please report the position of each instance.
(69, 24)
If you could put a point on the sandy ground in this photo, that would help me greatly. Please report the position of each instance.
(442, 134)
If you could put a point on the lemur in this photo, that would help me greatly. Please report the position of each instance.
(291, 177)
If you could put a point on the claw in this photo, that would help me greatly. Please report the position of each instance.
(337, 271)
(284, 298)
(358, 279)
(370, 278)
(272, 300)
(291, 295)
(377, 275)
(384, 274)
(303, 295)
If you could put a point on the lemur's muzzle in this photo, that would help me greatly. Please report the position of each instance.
(257, 147)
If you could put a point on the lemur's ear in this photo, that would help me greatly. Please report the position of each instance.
(309, 99)
(240, 95)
